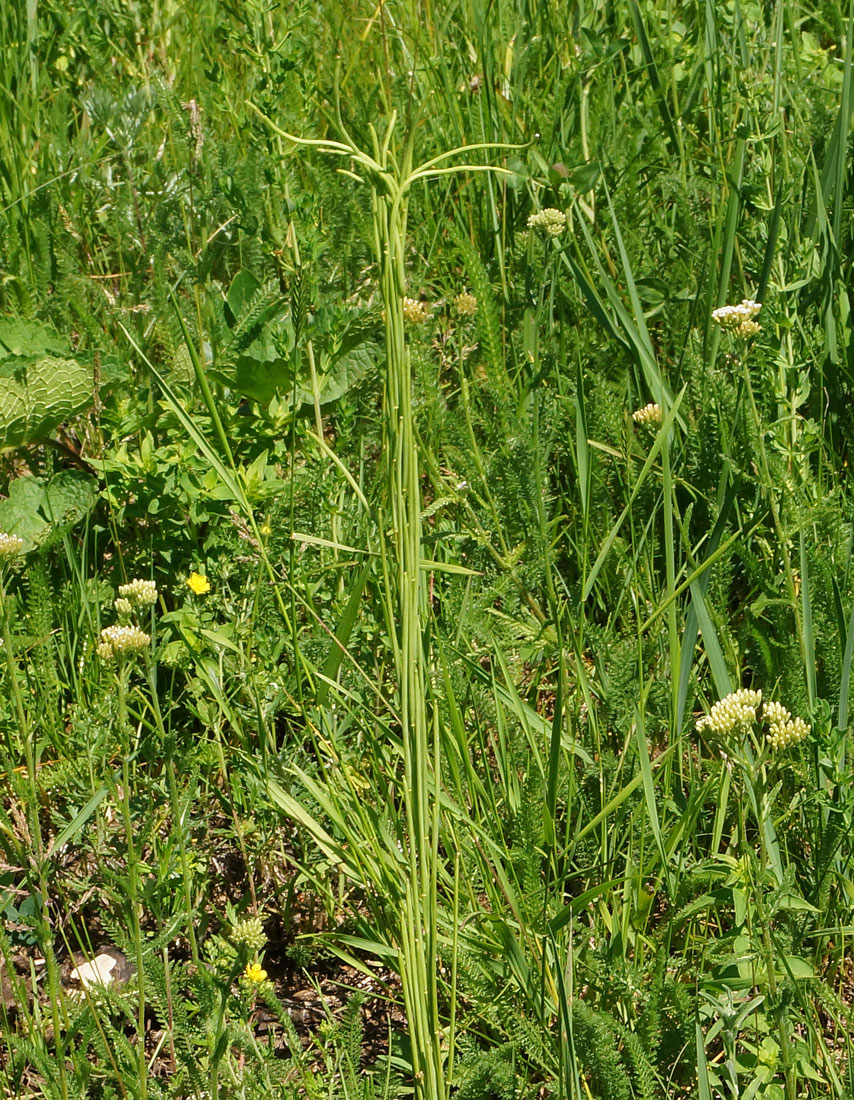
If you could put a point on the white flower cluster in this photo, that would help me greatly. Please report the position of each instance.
(119, 642)
(551, 221)
(739, 319)
(465, 304)
(139, 593)
(650, 414)
(783, 729)
(10, 546)
(736, 711)
(415, 311)
(740, 710)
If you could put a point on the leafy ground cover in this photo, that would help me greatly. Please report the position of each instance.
(427, 610)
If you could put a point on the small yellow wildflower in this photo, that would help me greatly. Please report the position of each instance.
(199, 583)
(255, 973)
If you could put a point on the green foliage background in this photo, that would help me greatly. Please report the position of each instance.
(191, 376)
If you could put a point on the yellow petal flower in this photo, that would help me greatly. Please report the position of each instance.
(255, 972)
(199, 584)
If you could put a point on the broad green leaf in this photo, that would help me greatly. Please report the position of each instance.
(37, 395)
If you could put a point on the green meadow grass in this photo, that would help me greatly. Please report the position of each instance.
(330, 322)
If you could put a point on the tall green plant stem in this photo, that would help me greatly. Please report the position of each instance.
(391, 179)
(754, 774)
(122, 676)
(775, 516)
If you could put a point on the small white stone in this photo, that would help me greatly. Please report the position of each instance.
(97, 972)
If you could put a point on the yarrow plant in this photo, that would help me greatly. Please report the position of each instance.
(736, 712)
(550, 221)
(739, 320)
(248, 933)
(783, 729)
(744, 714)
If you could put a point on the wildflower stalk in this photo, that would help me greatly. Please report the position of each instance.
(775, 512)
(757, 799)
(734, 721)
(122, 675)
(391, 178)
(739, 321)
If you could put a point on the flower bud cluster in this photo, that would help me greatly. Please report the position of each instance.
(743, 708)
(249, 933)
(739, 319)
(649, 414)
(735, 712)
(552, 222)
(415, 311)
(10, 546)
(783, 729)
(139, 592)
(465, 304)
(121, 642)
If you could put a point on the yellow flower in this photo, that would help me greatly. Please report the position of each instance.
(199, 584)
(255, 973)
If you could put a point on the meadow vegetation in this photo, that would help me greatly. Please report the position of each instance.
(426, 573)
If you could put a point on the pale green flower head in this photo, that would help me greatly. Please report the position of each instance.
(736, 712)
(121, 642)
(249, 933)
(10, 547)
(140, 593)
(550, 221)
